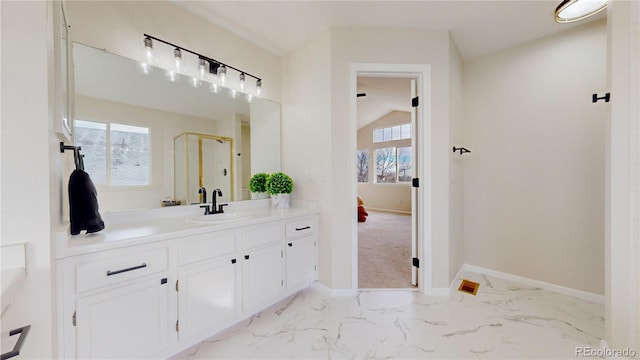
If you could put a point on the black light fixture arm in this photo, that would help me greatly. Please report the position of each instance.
(200, 56)
(461, 149)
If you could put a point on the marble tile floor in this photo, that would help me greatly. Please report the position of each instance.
(505, 320)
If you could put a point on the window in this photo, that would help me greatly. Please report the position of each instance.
(386, 165)
(398, 132)
(393, 165)
(404, 164)
(127, 155)
(362, 165)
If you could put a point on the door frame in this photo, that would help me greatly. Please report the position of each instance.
(422, 74)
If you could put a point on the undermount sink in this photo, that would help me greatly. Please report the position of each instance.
(220, 218)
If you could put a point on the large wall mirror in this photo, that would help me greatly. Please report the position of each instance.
(127, 122)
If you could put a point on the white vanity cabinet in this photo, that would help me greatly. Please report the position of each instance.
(207, 285)
(262, 266)
(155, 299)
(116, 304)
(301, 250)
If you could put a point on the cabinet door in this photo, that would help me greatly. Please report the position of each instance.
(301, 262)
(262, 276)
(206, 296)
(127, 322)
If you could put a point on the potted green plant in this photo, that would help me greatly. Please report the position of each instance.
(258, 186)
(280, 186)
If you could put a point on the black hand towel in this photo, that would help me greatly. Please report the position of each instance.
(83, 204)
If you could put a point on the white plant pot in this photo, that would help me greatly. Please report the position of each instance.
(259, 195)
(280, 201)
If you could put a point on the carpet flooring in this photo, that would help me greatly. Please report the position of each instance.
(384, 251)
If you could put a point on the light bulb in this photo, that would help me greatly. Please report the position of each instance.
(203, 68)
(147, 59)
(177, 55)
(148, 50)
(242, 76)
(222, 73)
(258, 87)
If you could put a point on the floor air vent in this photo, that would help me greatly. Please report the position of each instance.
(468, 287)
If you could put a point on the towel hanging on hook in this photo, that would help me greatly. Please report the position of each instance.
(77, 157)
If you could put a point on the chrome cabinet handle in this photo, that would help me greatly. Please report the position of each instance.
(109, 272)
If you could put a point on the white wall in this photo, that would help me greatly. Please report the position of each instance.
(306, 136)
(533, 189)
(311, 87)
(163, 127)
(394, 197)
(622, 240)
(28, 194)
(456, 163)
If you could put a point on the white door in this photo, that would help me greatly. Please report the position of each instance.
(414, 189)
(125, 323)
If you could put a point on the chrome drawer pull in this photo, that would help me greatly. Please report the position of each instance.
(109, 272)
(303, 228)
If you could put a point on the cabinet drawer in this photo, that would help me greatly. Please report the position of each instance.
(261, 236)
(95, 274)
(205, 247)
(304, 226)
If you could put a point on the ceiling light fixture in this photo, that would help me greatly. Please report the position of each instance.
(574, 10)
(200, 72)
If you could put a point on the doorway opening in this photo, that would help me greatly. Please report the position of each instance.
(387, 116)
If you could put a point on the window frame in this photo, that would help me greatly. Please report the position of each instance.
(108, 166)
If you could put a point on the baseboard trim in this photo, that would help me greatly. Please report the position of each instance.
(580, 294)
(457, 277)
(437, 292)
(389, 211)
(333, 292)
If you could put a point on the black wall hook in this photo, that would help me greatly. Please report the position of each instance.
(77, 157)
(606, 97)
(461, 149)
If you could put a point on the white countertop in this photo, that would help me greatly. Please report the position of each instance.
(127, 228)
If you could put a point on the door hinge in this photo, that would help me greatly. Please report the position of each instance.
(315, 267)
(73, 319)
(281, 282)
(281, 254)
(415, 102)
(416, 262)
(178, 325)
(177, 285)
(415, 182)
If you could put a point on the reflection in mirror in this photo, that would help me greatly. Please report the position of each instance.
(111, 89)
(203, 163)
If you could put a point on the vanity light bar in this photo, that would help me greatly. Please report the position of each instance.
(215, 67)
